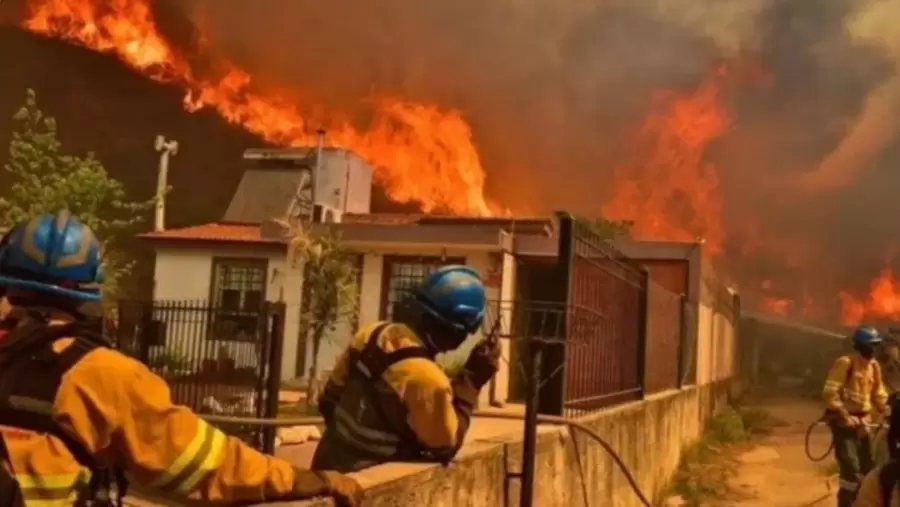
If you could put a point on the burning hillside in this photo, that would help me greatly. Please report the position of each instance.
(643, 114)
(402, 138)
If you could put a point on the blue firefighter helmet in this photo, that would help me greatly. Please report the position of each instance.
(55, 254)
(455, 296)
(866, 335)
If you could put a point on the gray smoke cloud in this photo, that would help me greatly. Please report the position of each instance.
(872, 23)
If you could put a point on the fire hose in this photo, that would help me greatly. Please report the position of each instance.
(806, 446)
(823, 421)
(546, 419)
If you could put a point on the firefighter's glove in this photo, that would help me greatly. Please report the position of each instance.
(483, 363)
(345, 491)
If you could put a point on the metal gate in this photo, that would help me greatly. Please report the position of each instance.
(600, 361)
(215, 360)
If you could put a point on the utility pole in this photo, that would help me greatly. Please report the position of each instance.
(166, 149)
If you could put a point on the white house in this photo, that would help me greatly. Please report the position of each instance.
(240, 261)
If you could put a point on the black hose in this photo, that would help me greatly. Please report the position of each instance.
(806, 445)
(216, 419)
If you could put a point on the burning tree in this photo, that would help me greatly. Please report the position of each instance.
(330, 290)
(609, 229)
(45, 180)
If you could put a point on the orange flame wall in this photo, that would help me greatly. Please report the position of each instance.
(666, 183)
(420, 152)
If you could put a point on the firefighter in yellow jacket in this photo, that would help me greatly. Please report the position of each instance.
(90, 413)
(854, 388)
(387, 399)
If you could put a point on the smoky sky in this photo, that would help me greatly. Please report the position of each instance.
(554, 91)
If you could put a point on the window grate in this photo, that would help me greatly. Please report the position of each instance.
(238, 295)
(403, 274)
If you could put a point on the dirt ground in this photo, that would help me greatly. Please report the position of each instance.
(777, 472)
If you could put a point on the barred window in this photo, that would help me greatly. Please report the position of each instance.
(237, 296)
(403, 274)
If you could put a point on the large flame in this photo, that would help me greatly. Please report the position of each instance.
(881, 302)
(670, 191)
(420, 152)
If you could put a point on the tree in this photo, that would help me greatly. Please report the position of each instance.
(43, 179)
(609, 229)
(330, 289)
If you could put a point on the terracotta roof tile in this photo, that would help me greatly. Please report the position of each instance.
(413, 218)
(240, 233)
(381, 218)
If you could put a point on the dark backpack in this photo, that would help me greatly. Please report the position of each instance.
(30, 376)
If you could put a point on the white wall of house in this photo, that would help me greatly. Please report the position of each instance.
(716, 347)
(186, 273)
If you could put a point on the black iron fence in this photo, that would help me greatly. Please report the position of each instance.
(215, 359)
(617, 335)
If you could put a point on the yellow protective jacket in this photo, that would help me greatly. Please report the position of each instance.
(869, 494)
(427, 410)
(123, 414)
(854, 386)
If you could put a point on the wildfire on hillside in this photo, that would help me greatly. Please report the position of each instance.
(667, 184)
(420, 152)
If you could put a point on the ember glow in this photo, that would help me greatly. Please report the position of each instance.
(777, 306)
(421, 153)
(881, 302)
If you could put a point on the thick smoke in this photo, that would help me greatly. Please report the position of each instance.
(556, 90)
(874, 24)
(553, 89)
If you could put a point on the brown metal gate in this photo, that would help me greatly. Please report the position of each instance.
(600, 362)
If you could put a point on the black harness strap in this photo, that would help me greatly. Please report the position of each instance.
(370, 365)
(888, 479)
(27, 353)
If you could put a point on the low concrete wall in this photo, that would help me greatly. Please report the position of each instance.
(648, 435)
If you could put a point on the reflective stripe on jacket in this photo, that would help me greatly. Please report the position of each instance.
(425, 411)
(123, 412)
(47, 474)
(854, 385)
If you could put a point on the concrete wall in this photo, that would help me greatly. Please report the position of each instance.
(571, 469)
(716, 328)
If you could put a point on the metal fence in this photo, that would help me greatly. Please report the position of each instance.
(605, 300)
(215, 360)
(620, 336)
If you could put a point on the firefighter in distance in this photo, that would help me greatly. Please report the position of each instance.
(854, 390)
(78, 415)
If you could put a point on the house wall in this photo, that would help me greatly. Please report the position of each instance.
(186, 274)
(716, 328)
